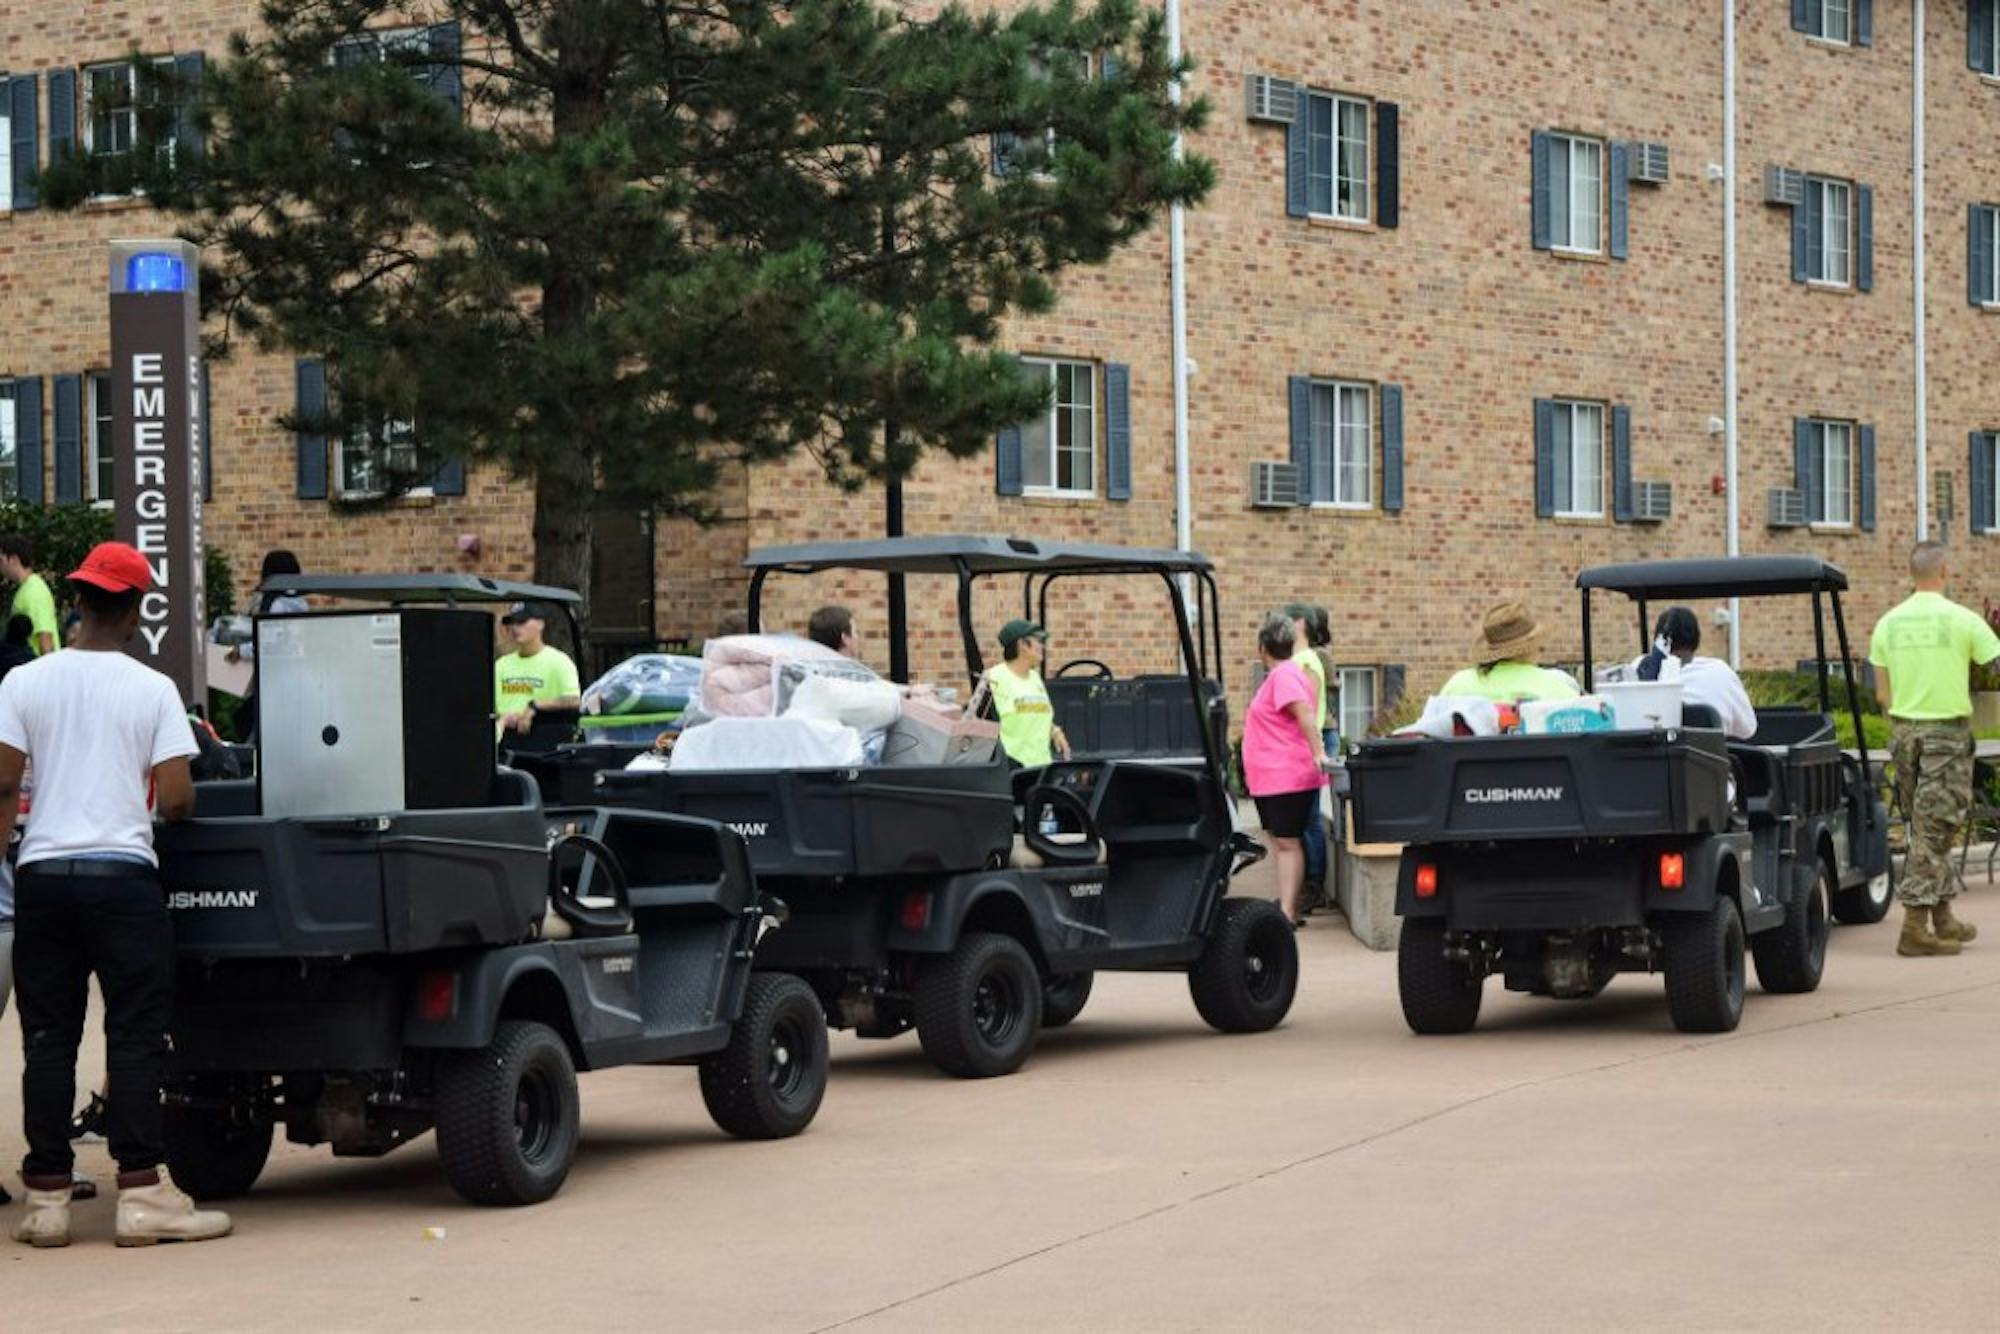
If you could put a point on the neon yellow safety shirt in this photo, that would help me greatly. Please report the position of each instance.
(1928, 644)
(1510, 683)
(34, 601)
(519, 681)
(1026, 717)
(1316, 669)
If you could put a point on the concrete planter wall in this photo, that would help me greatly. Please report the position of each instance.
(1368, 892)
(1986, 710)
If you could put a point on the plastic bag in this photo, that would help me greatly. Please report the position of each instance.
(739, 672)
(648, 683)
(867, 704)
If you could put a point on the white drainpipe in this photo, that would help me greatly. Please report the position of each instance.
(1917, 272)
(1732, 541)
(1177, 286)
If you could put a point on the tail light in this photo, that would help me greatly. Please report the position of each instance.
(1673, 870)
(916, 910)
(437, 997)
(1427, 881)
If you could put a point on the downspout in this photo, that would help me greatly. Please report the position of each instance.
(1177, 288)
(1732, 540)
(1917, 272)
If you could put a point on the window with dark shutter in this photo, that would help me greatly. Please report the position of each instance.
(1545, 458)
(1117, 432)
(1982, 35)
(1979, 467)
(1299, 395)
(310, 411)
(1865, 498)
(28, 440)
(1982, 265)
(22, 141)
(1392, 448)
(67, 420)
(1622, 509)
(1388, 165)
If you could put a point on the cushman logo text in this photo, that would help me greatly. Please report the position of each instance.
(1486, 794)
(212, 898)
(751, 830)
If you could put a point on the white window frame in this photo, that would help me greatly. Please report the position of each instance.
(1820, 442)
(1336, 442)
(10, 443)
(356, 440)
(381, 41)
(97, 450)
(1818, 13)
(6, 149)
(1092, 69)
(87, 117)
(1089, 414)
(1339, 158)
(1349, 679)
(1568, 210)
(1568, 450)
(1826, 187)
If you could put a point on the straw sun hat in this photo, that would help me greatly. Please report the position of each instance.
(1510, 631)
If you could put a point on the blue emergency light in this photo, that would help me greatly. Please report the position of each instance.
(151, 271)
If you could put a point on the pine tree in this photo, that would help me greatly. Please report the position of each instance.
(618, 246)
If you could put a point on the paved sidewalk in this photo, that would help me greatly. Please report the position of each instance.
(1831, 1165)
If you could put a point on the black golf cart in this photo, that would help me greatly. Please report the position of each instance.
(362, 972)
(1559, 861)
(973, 901)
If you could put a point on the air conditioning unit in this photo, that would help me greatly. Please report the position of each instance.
(1784, 186)
(1652, 502)
(1648, 164)
(1272, 100)
(1787, 507)
(1274, 485)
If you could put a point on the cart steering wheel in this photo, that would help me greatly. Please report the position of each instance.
(1102, 672)
(615, 920)
(1071, 811)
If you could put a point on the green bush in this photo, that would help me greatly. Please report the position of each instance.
(1800, 690)
(218, 584)
(62, 536)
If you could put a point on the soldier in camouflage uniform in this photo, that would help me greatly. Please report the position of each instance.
(1923, 651)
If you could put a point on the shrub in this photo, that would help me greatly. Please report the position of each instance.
(1986, 675)
(62, 536)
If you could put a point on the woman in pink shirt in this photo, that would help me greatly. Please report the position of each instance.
(1282, 755)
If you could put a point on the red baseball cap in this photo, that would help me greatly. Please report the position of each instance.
(115, 568)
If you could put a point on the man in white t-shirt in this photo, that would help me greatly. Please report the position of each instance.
(1710, 681)
(109, 737)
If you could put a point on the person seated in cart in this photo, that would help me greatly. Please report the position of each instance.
(1506, 672)
(536, 675)
(1708, 681)
(1028, 731)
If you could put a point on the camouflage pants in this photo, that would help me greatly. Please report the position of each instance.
(1934, 781)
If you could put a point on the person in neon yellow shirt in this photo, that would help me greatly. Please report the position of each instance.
(1028, 731)
(536, 675)
(1507, 673)
(1923, 651)
(32, 598)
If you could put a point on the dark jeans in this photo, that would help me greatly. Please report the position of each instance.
(66, 927)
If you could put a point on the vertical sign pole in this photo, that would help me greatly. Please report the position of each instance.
(156, 442)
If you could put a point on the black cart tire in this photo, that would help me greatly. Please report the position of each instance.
(1868, 902)
(1791, 958)
(507, 1116)
(1063, 997)
(768, 1082)
(1248, 973)
(1705, 968)
(215, 1153)
(979, 1008)
(1440, 996)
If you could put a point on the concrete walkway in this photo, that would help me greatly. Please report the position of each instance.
(1831, 1165)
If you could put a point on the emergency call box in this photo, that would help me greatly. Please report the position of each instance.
(371, 712)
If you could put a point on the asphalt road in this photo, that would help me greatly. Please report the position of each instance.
(1831, 1165)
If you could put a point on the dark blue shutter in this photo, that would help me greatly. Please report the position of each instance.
(1117, 432)
(1006, 146)
(1802, 15)
(28, 438)
(1621, 193)
(1388, 164)
(1395, 682)
(1979, 255)
(1979, 21)
(67, 410)
(1980, 469)
(1298, 159)
(444, 73)
(1301, 401)
(1621, 465)
(1392, 448)
(1864, 238)
(310, 409)
(187, 98)
(1815, 216)
(62, 113)
(23, 104)
(449, 479)
(1539, 190)
(1865, 501)
(1799, 225)
(207, 439)
(1545, 458)
(1805, 470)
(1864, 22)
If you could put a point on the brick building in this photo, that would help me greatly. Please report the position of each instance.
(1464, 269)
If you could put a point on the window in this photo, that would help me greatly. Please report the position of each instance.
(1357, 703)
(1985, 496)
(1830, 20)
(1337, 157)
(100, 462)
(1983, 40)
(1342, 428)
(6, 147)
(10, 457)
(1832, 448)
(376, 46)
(1576, 193)
(373, 456)
(112, 97)
(1985, 254)
(1828, 248)
(1579, 460)
(1059, 448)
(1007, 146)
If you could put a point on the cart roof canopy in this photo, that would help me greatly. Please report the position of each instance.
(981, 555)
(1715, 577)
(402, 588)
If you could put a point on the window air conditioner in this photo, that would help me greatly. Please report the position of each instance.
(1270, 99)
(1652, 502)
(1788, 507)
(1648, 164)
(1784, 186)
(1274, 485)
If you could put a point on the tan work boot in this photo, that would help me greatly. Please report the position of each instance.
(45, 1221)
(1918, 939)
(161, 1212)
(1949, 927)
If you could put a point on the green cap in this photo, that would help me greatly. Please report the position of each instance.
(1014, 632)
